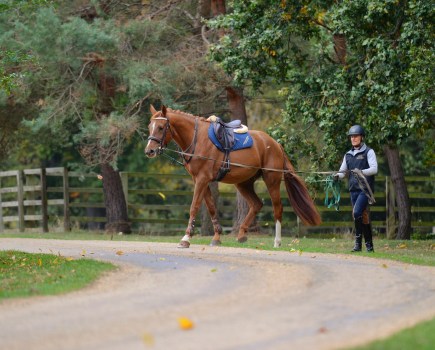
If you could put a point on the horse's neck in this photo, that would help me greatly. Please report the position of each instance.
(183, 129)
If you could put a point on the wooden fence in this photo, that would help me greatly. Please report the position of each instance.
(58, 199)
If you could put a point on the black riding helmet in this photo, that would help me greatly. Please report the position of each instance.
(356, 130)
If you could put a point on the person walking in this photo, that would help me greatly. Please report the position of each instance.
(361, 165)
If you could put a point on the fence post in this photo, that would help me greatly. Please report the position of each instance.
(66, 216)
(44, 201)
(20, 198)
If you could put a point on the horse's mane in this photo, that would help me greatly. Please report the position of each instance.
(185, 114)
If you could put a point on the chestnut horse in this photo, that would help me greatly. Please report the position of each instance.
(266, 158)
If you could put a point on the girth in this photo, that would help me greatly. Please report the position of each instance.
(225, 135)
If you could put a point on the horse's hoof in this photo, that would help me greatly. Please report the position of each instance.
(184, 244)
(215, 243)
(242, 239)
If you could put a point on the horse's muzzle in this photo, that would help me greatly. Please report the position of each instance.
(150, 153)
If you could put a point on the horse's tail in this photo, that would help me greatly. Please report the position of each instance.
(299, 197)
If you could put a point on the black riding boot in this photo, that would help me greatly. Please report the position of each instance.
(368, 238)
(358, 235)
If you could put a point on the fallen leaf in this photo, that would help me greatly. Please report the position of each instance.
(185, 323)
(384, 266)
(39, 262)
(83, 252)
(119, 252)
(213, 270)
(148, 339)
(402, 246)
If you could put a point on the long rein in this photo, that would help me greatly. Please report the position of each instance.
(330, 184)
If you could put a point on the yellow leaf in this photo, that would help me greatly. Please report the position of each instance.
(185, 323)
(69, 259)
(402, 246)
(320, 16)
(213, 270)
(148, 339)
(39, 262)
(119, 252)
(384, 266)
(83, 252)
(162, 195)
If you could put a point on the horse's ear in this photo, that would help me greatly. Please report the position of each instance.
(164, 110)
(152, 110)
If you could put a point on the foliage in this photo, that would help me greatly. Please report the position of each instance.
(364, 61)
(26, 274)
(10, 61)
(99, 67)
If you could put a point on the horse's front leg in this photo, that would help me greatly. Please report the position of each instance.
(211, 206)
(198, 195)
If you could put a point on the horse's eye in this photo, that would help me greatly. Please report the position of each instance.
(160, 128)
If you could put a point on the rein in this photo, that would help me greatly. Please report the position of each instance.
(332, 187)
(250, 166)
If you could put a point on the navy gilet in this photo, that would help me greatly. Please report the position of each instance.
(359, 161)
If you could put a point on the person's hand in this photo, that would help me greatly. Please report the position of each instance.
(357, 172)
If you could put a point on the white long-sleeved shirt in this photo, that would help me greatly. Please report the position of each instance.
(371, 159)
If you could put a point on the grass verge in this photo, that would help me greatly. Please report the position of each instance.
(26, 274)
(418, 252)
(421, 337)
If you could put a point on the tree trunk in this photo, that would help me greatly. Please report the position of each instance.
(116, 206)
(340, 48)
(402, 198)
(236, 103)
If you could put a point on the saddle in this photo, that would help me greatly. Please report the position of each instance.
(225, 131)
(224, 134)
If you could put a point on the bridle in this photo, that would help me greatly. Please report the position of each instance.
(189, 150)
(161, 141)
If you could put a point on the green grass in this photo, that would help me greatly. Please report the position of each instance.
(26, 274)
(418, 252)
(420, 337)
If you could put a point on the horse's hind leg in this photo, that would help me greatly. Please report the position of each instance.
(273, 183)
(211, 206)
(255, 204)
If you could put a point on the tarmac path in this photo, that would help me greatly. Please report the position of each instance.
(237, 299)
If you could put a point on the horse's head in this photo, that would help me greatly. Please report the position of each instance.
(158, 129)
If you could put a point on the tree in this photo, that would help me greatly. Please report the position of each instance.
(100, 65)
(89, 84)
(341, 63)
(237, 108)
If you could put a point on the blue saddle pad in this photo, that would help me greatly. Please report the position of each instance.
(242, 140)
